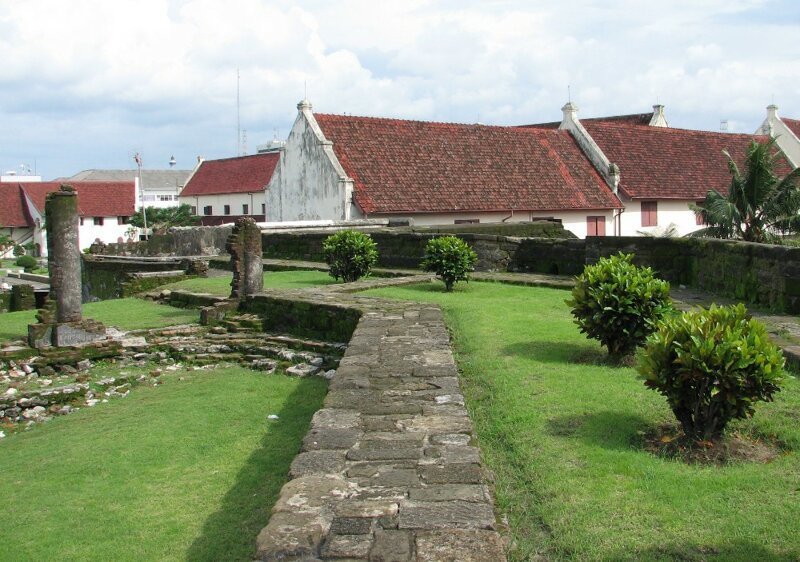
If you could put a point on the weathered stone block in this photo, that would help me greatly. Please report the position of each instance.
(319, 439)
(308, 494)
(317, 462)
(290, 536)
(392, 546)
(446, 514)
(451, 473)
(455, 545)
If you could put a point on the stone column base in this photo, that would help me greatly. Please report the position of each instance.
(65, 334)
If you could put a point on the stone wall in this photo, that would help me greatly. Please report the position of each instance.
(179, 241)
(112, 277)
(761, 274)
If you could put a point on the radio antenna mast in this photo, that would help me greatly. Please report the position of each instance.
(238, 122)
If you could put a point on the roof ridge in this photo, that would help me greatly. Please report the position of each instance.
(676, 130)
(389, 120)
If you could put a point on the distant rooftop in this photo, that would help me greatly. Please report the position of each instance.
(152, 179)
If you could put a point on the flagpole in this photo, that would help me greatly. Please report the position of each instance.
(138, 159)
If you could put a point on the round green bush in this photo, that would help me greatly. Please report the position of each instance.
(713, 366)
(350, 255)
(450, 258)
(28, 262)
(618, 303)
(18, 250)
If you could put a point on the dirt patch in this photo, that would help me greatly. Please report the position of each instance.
(669, 441)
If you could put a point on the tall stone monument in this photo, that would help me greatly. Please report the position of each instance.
(244, 246)
(60, 321)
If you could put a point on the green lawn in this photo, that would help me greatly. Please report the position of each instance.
(560, 430)
(272, 280)
(126, 314)
(185, 471)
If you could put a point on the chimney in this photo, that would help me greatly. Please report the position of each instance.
(658, 119)
(570, 111)
(772, 112)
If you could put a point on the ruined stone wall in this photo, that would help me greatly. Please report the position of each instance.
(182, 241)
(106, 277)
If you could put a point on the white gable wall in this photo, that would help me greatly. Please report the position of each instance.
(669, 211)
(309, 183)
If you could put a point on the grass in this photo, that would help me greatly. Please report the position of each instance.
(562, 430)
(272, 280)
(185, 471)
(126, 314)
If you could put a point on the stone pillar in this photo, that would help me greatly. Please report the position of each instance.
(63, 253)
(60, 320)
(244, 246)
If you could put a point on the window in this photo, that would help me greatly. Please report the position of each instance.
(123, 220)
(595, 226)
(98, 221)
(263, 208)
(148, 197)
(194, 210)
(226, 209)
(466, 221)
(698, 218)
(81, 221)
(649, 213)
(207, 210)
(245, 209)
(165, 197)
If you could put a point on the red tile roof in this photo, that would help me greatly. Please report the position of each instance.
(95, 199)
(641, 119)
(793, 124)
(242, 174)
(667, 163)
(412, 166)
(13, 211)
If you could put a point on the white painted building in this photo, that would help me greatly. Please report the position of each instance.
(344, 168)
(221, 191)
(785, 131)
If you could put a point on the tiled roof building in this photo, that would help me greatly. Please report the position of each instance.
(343, 167)
(104, 209)
(220, 191)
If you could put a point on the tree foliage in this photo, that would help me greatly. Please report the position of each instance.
(160, 219)
(618, 303)
(350, 254)
(712, 366)
(758, 203)
(450, 258)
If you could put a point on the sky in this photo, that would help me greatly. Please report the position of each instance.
(89, 83)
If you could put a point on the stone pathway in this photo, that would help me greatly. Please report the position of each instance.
(388, 470)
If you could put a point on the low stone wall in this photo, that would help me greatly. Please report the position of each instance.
(178, 241)
(761, 274)
(113, 277)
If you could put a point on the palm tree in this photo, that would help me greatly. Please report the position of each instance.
(758, 204)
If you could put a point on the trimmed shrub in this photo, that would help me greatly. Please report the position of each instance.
(618, 303)
(18, 250)
(450, 258)
(28, 262)
(350, 255)
(713, 366)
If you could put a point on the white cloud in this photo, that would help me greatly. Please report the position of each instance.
(160, 75)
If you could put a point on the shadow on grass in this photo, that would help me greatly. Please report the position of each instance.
(743, 551)
(230, 533)
(610, 429)
(559, 352)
